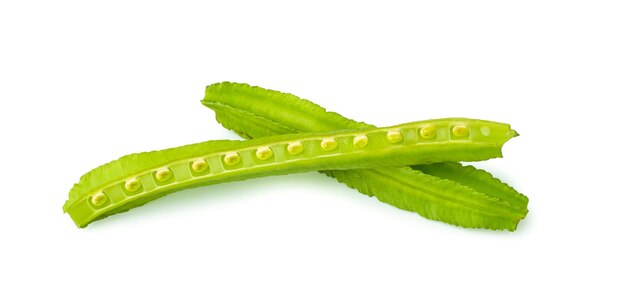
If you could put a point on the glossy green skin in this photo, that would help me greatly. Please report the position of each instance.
(448, 192)
(334, 150)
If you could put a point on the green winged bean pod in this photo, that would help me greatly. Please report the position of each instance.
(136, 179)
(254, 112)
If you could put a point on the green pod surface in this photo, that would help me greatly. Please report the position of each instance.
(134, 180)
(254, 112)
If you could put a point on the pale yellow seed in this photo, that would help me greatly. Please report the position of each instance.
(232, 159)
(328, 144)
(163, 174)
(132, 184)
(98, 199)
(460, 131)
(360, 141)
(264, 152)
(199, 165)
(428, 131)
(394, 136)
(295, 148)
(485, 130)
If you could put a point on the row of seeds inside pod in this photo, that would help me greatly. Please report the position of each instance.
(265, 152)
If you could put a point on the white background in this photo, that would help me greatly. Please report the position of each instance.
(84, 83)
